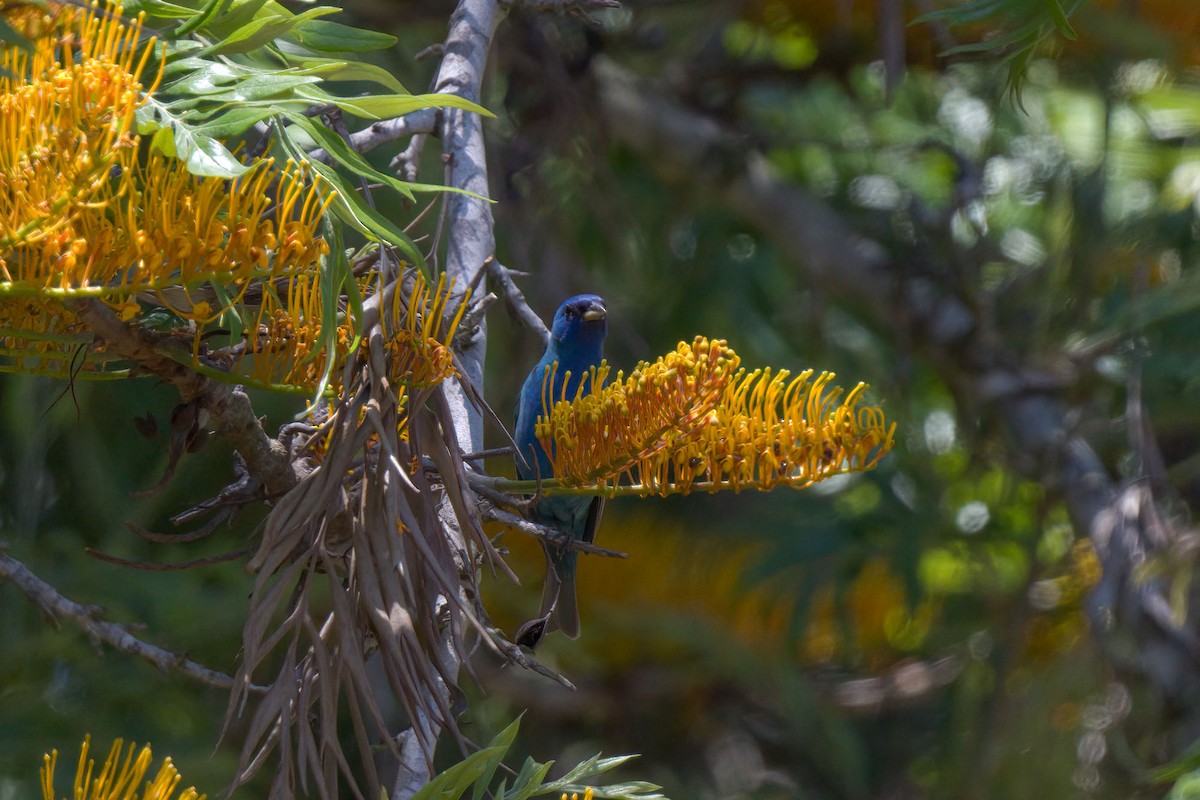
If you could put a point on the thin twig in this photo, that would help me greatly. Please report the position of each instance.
(154, 566)
(388, 130)
(514, 300)
(405, 164)
(546, 534)
(86, 617)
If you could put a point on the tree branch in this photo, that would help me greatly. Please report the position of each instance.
(228, 407)
(86, 618)
(470, 244)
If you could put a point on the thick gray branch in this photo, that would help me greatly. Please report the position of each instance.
(471, 240)
(470, 244)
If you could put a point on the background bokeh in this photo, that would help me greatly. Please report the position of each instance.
(918, 631)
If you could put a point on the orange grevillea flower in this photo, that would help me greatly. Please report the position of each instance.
(695, 420)
(419, 332)
(118, 777)
(290, 327)
(85, 213)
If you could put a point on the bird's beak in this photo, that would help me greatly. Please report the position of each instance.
(595, 312)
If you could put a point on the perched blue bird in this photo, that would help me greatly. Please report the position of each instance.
(576, 344)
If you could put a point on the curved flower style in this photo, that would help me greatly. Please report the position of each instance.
(417, 347)
(119, 777)
(83, 215)
(605, 434)
(694, 420)
(290, 321)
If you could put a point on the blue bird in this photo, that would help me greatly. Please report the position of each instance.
(577, 345)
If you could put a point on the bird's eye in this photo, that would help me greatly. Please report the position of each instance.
(570, 313)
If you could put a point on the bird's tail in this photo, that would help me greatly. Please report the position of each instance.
(558, 594)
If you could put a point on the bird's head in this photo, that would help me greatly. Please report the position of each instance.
(581, 320)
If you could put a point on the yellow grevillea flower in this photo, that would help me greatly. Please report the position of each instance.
(588, 795)
(290, 325)
(119, 777)
(695, 420)
(419, 333)
(84, 214)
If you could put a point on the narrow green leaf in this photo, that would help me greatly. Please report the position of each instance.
(335, 274)
(451, 783)
(593, 766)
(233, 123)
(210, 9)
(351, 209)
(256, 87)
(388, 106)
(1060, 19)
(529, 781)
(159, 8)
(346, 155)
(964, 13)
(333, 37)
(238, 15)
(205, 77)
(338, 70)
(263, 30)
(501, 743)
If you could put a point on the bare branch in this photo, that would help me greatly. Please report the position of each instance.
(514, 300)
(47, 598)
(471, 240)
(228, 407)
(380, 133)
(405, 162)
(560, 6)
(546, 534)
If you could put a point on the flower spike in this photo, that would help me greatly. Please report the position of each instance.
(694, 420)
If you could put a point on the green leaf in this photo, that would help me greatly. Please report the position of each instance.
(164, 142)
(501, 742)
(1060, 19)
(210, 9)
(204, 77)
(263, 30)
(351, 209)
(332, 69)
(333, 37)
(238, 15)
(201, 154)
(346, 155)
(388, 106)
(591, 767)
(11, 37)
(335, 273)
(451, 783)
(529, 781)
(177, 62)
(233, 123)
(256, 87)
(159, 8)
